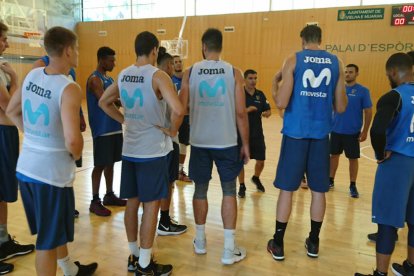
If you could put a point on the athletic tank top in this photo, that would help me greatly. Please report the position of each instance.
(212, 105)
(44, 156)
(309, 112)
(99, 121)
(143, 111)
(400, 133)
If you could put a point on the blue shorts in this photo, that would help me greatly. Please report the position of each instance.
(146, 180)
(49, 211)
(227, 161)
(9, 153)
(393, 196)
(173, 163)
(303, 156)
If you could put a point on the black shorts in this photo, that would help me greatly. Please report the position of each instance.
(107, 149)
(257, 148)
(184, 131)
(173, 163)
(345, 142)
(9, 153)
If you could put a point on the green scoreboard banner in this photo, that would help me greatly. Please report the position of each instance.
(361, 14)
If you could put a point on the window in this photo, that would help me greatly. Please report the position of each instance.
(205, 7)
(161, 8)
(106, 10)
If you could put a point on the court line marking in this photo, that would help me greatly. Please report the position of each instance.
(367, 157)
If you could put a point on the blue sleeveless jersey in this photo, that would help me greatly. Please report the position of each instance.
(400, 133)
(71, 72)
(309, 112)
(99, 121)
(177, 82)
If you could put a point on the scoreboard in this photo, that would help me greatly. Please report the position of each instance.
(402, 15)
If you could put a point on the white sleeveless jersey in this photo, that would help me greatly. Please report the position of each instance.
(212, 105)
(143, 112)
(44, 156)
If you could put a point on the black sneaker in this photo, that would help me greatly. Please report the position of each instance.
(76, 214)
(313, 248)
(5, 268)
(373, 237)
(277, 251)
(242, 191)
(132, 263)
(256, 181)
(154, 269)
(171, 230)
(403, 270)
(86, 270)
(12, 248)
(353, 191)
(375, 273)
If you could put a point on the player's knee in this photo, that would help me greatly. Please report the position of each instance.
(229, 188)
(386, 239)
(200, 190)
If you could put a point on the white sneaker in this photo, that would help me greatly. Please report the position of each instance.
(200, 246)
(233, 256)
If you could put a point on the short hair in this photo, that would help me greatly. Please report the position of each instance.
(145, 42)
(311, 34)
(104, 52)
(213, 39)
(3, 28)
(176, 56)
(411, 54)
(401, 61)
(163, 55)
(353, 66)
(249, 72)
(57, 39)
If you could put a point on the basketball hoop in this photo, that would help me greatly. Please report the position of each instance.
(34, 39)
(176, 47)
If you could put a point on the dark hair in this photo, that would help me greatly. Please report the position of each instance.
(163, 55)
(175, 56)
(3, 28)
(104, 52)
(145, 42)
(57, 39)
(213, 39)
(311, 34)
(249, 72)
(354, 66)
(411, 54)
(400, 61)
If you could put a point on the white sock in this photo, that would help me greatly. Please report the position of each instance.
(133, 248)
(200, 232)
(144, 257)
(229, 238)
(180, 167)
(68, 267)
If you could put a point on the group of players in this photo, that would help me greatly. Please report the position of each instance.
(221, 105)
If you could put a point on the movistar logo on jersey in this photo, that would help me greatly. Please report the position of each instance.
(130, 101)
(309, 78)
(211, 91)
(33, 116)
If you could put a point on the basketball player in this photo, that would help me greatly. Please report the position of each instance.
(145, 93)
(184, 131)
(166, 226)
(346, 132)
(257, 107)
(311, 80)
(9, 152)
(106, 133)
(213, 89)
(47, 110)
(392, 136)
(373, 236)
